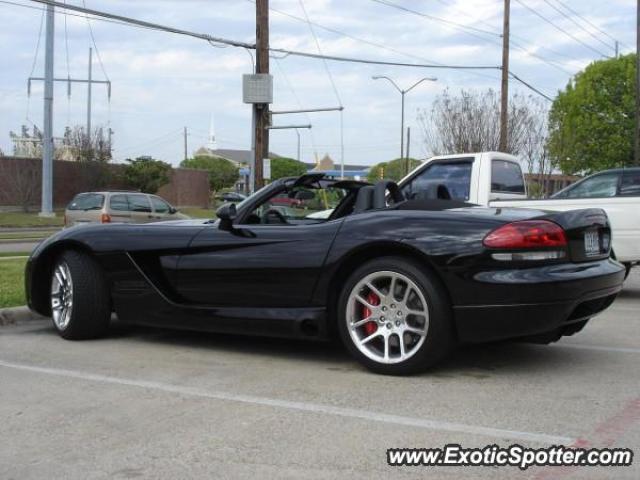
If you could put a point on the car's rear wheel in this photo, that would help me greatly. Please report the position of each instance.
(395, 318)
(80, 306)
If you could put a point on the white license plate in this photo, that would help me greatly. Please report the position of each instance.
(591, 243)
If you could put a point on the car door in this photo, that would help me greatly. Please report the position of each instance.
(140, 208)
(119, 210)
(161, 209)
(255, 265)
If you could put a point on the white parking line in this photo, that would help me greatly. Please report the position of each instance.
(599, 347)
(301, 406)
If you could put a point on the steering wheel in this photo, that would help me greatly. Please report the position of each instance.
(271, 214)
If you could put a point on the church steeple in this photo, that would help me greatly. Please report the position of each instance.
(212, 144)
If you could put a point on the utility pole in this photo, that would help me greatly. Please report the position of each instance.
(636, 153)
(89, 83)
(47, 140)
(504, 89)
(48, 105)
(408, 147)
(186, 155)
(617, 48)
(261, 110)
(298, 134)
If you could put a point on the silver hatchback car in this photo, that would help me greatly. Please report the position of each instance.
(119, 207)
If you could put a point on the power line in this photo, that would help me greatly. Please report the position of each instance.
(379, 62)
(530, 87)
(324, 60)
(362, 40)
(573, 20)
(513, 35)
(66, 44)
(35, 55)
(587, 21)
(333, 85)
(348, 35)
(463, 27)
(209, 38)
(93, 39)
(560, 29)
(295, 95)
(145, 143)
(106, 20)
(236, 43)
(33, 65)
(460, 26)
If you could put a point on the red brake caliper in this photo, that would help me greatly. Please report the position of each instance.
(370, 327)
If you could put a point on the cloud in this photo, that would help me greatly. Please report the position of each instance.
(163, 82)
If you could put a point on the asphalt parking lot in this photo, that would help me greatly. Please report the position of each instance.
(150, 403)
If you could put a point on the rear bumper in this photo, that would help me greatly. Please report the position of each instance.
(538, 300)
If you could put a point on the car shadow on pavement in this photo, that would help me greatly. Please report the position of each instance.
(475, 361)
(472, 361)
(630, 292)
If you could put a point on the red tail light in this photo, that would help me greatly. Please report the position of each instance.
(105, 218)
(526, 234)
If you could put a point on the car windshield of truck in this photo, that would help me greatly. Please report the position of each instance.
(455, 175)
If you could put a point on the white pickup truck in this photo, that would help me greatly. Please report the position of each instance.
(495, 179)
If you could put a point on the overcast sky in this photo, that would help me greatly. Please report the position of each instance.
(163, 82)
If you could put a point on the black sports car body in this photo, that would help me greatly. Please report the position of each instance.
(399, 281)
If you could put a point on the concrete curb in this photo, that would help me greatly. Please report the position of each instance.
(11, 316)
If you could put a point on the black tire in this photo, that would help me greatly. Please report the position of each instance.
(440, 338)
(91, 310)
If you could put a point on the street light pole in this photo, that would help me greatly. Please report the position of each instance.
(298, 134)
(403, 92)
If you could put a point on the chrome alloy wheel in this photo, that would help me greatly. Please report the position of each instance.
(387, 317)
(61, 295)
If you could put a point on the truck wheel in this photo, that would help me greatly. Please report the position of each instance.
(394, 318)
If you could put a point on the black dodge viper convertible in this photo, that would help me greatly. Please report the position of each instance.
(400, 281)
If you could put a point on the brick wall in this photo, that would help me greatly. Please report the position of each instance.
(187, 188)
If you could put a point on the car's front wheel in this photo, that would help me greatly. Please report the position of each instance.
(80, 306)
(394, 317)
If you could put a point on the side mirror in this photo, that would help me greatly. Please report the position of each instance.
(173, 210)
(227, 214)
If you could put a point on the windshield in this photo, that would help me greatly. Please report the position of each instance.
(455, 175)
(300, 204)
(87, 201)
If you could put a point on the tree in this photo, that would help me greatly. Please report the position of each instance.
(534, 151)
(78, 146)
(22, 181)
(591, 122)
(147, 174)
(222, 173)
(393, 170)
(286, 167)
(470, 122)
